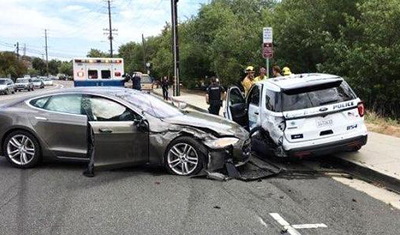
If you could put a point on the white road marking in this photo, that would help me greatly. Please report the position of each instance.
(301, 226)
(279, 219)
(291, 229)
(262, 222)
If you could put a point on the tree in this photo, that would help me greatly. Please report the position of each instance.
(54, 66)
(11, 66)
(66, 68)
(40, 66)
(367, 53)
(97, 53)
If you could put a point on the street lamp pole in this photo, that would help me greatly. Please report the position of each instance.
(174, 15)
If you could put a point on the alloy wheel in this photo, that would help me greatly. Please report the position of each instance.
(182, 159)
(20, 149)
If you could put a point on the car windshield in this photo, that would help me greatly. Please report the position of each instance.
(2, 82)
(36, 80)
(47, 79)
(150, 104)
(146, 79)
(22, 80)
(315, 96)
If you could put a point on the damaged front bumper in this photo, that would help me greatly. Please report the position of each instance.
(237, 154)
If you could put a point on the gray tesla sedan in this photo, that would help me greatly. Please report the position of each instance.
(126, 127)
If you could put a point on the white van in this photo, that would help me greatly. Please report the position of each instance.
(301, 115)
(98, 72)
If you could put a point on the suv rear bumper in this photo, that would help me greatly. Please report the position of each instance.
(328, 148)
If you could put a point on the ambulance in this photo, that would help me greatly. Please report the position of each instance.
(98, 72)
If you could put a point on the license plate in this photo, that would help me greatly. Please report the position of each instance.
(324, 123)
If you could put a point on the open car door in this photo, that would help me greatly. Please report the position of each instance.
(120, 136)
(236, 107)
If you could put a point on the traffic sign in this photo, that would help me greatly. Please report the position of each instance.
(268, 50)
(267, 35)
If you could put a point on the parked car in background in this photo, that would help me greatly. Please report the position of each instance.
(146, 82)
(6, 86)
(301, 115)
(48, 81)
(24, 84)
(38, 83)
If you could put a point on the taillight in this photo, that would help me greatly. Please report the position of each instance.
(118, 74)
(361, 109)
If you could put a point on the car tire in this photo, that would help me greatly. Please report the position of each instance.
(30, 149)
(184, 157)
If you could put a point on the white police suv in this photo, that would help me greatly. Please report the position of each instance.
(300, 115)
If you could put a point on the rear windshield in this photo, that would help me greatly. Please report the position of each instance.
(22, 80)
(146, 79)
(311, 97)
(36, 80)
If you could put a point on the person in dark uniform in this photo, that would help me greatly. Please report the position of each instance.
(164, 86)
(215, 94)
(136, 81)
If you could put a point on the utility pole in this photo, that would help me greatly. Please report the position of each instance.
(24, 49)
(17, 48)
(110, 37)
(47, 55)
(175, 47)
(144, 52)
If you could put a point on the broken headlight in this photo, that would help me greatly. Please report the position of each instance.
(221, 143)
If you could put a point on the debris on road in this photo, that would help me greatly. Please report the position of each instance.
(254, 170)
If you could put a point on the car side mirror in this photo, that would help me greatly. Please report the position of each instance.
(141, 124)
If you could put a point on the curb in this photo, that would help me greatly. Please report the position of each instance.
(369, 175)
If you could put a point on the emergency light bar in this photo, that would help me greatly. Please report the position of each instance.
(117, 61)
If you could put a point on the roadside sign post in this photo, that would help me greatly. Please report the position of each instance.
(267, 48)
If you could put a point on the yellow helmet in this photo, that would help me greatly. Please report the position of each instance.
(249, 69)
(286, 71)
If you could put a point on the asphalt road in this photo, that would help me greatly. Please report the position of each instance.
(56, 198)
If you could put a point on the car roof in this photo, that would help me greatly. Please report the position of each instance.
(106, 91)
(302, 80)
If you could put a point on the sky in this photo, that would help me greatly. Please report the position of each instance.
(76, 26)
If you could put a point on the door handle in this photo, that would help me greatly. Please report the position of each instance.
(105, 130)
(41, 118)
(256, 113)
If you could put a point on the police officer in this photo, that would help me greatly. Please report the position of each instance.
(136, 81)
(215, 94)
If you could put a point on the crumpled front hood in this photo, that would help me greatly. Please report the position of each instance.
(214, 123)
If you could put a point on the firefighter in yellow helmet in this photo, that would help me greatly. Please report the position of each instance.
(286, 71)
(248, 81)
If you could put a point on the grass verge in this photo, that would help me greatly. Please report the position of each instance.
(379, 124)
